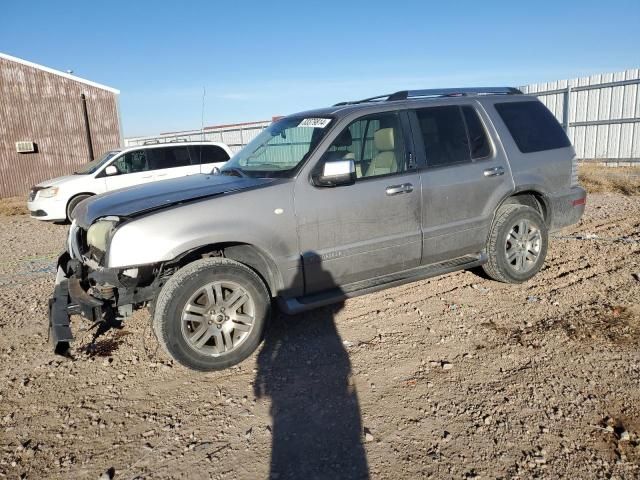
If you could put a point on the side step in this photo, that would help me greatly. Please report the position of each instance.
(292, 306)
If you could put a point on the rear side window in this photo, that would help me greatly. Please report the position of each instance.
(444, 135)
(207, 154)
(478, 141)
(168, 157)
(532, 126)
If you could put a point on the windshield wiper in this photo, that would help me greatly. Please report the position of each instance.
(234, 172)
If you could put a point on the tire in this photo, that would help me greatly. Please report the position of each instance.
(510, 259)
(221, 337)
(73, 203)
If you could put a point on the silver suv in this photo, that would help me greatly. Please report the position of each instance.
(321, 206)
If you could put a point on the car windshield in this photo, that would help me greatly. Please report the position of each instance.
(280, 149)
(93, 165)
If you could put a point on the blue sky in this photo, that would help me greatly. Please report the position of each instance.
(259, 59)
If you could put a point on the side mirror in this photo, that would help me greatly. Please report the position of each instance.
(334, 173)
(111, 170)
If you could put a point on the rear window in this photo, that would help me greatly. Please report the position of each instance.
(207, 154)
(532, 126)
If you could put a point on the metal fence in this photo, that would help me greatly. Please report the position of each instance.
(235, 136)
(601, 114)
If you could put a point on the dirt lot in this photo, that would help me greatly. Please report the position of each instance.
(454, 377)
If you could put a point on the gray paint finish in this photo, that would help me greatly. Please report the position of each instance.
(356, 232)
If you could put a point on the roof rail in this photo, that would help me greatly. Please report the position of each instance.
(437, 92)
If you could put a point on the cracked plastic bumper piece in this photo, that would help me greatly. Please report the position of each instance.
(59, 323)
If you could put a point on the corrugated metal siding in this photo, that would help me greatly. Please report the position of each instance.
(45, 108)
(235, 137)
(611, 139)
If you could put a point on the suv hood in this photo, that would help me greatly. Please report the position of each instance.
(139, 199)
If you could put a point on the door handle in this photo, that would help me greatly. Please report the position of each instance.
(161, 175)
(398, 189)
(147, 176)
(493, 172)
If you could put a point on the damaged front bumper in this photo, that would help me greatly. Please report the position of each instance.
(103, 296)
(69, 298)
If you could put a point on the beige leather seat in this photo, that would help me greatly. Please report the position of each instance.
(385, 161)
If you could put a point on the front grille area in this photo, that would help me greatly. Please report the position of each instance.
(33, 193)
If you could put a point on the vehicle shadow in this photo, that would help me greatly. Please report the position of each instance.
(304, 369)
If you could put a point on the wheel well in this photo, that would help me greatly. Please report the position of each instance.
(76, 196)
(532, 199)
(79, 194)
(247, 254)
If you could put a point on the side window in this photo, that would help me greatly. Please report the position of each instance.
(478, 141)
(375, 143)
(444, 135)
(532, 126)
(207, 154)
(132, 162)
(168, 157)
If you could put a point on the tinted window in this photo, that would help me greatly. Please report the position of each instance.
(444, 135)
(132, 162)
(478, 141)
(532, 126)
(207, 154)
(375, 143)
(168, 157)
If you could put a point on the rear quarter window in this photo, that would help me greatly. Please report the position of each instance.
(532, 126)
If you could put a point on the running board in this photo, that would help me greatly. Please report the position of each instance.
(293, 306)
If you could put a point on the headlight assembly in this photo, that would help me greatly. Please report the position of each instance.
(48, 192)
(98, 233)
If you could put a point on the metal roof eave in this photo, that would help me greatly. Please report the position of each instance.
(59, 73)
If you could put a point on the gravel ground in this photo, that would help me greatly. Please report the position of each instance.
(453, 377)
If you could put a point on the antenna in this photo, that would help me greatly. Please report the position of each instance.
(204, 94)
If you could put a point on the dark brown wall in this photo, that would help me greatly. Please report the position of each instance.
(46, 108)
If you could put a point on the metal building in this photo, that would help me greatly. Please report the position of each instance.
(601, 114)
(235, 135)
(51, 123)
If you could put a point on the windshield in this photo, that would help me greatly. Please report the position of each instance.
(93, 165)
(279, 149)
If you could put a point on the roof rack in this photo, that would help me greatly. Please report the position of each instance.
(437, 92)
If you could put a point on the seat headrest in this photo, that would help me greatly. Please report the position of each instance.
(383, 139)
(344, 139)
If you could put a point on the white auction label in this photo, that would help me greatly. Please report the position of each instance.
(314, 122)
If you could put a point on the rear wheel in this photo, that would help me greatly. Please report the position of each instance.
(517, 244)
(73, 203)
(211, 314)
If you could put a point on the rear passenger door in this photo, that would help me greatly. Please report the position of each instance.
(207, 157)
(171, 162)
(466, 176)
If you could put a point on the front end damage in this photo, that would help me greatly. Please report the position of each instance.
(103, 296)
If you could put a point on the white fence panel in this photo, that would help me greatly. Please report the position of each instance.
(603, 113)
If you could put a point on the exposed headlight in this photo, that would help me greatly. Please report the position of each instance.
(48, 192)
(98, 233)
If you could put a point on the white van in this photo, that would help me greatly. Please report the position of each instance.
(55, 199)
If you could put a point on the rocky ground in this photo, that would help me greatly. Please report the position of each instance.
(453, 377)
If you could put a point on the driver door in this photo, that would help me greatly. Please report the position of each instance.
(372, 227)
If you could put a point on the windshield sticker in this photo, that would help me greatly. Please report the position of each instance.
(314, 122)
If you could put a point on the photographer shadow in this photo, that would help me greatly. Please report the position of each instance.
(304, 369)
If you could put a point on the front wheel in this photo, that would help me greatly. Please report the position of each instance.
(211, 314)
(517, 244)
